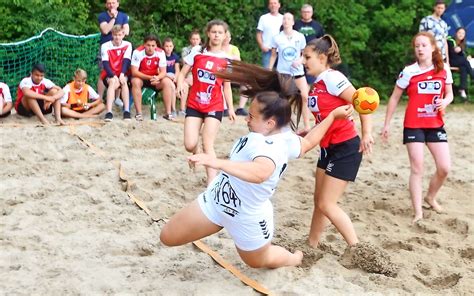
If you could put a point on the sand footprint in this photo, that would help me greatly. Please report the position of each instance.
(440, 282)
(458, 226)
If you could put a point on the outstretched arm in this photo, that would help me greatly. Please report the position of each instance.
(256, 171)
(315, 135)
(392, 105)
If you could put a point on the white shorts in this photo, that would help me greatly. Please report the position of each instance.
(249, 232)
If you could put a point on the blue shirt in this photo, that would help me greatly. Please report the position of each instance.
(122, 19)
(170, 62)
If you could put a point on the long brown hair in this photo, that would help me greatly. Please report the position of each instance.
(437, 57)
(460, 43)
(326, 45)
(276, 92)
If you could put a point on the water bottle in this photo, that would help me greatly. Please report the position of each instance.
(152, 108)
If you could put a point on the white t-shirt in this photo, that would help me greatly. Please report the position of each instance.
(245, 197)
(5, 92)
(92, 94)
(289, 49)
(269, 25)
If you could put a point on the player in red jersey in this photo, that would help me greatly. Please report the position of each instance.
(116, 58)
(149, 70)
(205, 102)
(429, 87)
(37, 95)
(341, 147)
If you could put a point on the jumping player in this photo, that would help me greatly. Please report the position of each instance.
(149, 70)
(288, 45)
(37, 95)
(341, 147)
(80, 100)
(205, 103)
(116, 58)
(428, 83)
(238, 199)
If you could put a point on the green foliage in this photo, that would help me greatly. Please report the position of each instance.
(373, 35)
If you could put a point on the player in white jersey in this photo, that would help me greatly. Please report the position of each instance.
(238, 199)
(288, 45)
(5, 100)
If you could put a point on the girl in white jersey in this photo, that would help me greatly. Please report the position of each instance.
(238, 199)
(288, 46)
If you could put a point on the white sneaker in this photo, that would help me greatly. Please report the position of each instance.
(118, 102)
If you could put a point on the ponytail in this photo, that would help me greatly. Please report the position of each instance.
(326, 45)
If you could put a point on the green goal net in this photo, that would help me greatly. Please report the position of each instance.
(61, 53)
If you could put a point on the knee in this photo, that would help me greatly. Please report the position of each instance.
(324, 207)
(165, 237)
(52, 92)
(416, 169)
(443, 171)
(190, 146)
(137, 83)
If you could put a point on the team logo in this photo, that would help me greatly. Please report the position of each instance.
(148, 62)
(442, 136)
(209, 65)
(429, 87)
(289, 54)
(119, 51)
(206, 76)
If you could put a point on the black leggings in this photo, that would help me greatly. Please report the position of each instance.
(464, 69)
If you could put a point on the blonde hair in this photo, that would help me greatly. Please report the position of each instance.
(116, 28)
(80, 74)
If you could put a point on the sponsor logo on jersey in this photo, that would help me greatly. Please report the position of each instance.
(269, 142)
(209, 65)
(429, 87)
(289, 54)
(206, 76)
(341, 84)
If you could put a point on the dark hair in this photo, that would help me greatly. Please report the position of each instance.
(208, 28)
(460, 43)
(152, 37)
(194, 32)
(438, 2)
(326, 45)
(39, 67)
(277, 93)
(437, 57)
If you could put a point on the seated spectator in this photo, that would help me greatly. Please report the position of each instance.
(149, 70)
(116, 57)
(5, 100)
(458, 58)
(39, 96)
(80, 100)
(172, 71)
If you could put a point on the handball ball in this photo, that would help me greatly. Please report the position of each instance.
(365, 100)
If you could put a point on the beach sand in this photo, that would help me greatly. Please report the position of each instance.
(67, 226)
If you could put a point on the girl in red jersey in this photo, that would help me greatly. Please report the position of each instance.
(205, 102)
(429, 88)
(341, 147)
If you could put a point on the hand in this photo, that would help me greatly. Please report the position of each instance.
(232, 115)
(154, 80)
(202, 159)
(441, 104)
(343, 112)
(296, 63)
(385, 133)
(122, 79)
(457, 49)
(265, 49)
(113, 12)
(366, 144)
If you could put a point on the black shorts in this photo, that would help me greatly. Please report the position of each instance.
(424, 135)
(342, 160)
(195, 113)
(28, 113)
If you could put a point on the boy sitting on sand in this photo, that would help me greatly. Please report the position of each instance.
(5, 100)
(80, 100)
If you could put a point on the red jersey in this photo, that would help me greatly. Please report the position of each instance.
(205, 94)
(38, 88)
(423, 87)
(148, 65)
(324, 98)
(115, 56)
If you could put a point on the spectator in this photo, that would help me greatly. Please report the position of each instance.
(438, 27)
(458, 58)
(116, 58)
(107, 20)
(5, 100)
(268, 26)
(38, 96)
(310, 28)
(80, 100)
(149, 70)
(194, 40)
(172, 71)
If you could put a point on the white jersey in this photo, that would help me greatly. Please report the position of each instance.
(235, 196)
(289, 49)
(5, 92)
(269, 25)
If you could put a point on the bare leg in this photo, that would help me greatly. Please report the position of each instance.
(66, 112)
(440, 152)
(32, 105)
(319, 222)
(100, 89)
(125, 96)
(167, 86)
(114, 84)
(415, 154)
(192, 129)
(271, 256)
(137, 85)
(187, 225)
(209, 133)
